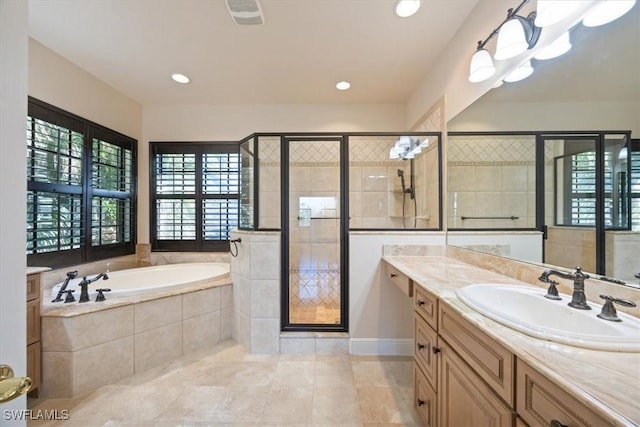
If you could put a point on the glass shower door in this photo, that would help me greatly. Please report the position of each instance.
(315, 284)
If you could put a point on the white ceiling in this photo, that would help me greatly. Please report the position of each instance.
(296, 57)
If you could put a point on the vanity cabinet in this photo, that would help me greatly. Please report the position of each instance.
(540, 402)
(33, 332)
(466, 400)
(462, 376)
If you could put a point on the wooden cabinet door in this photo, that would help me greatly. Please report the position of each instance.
(33, 321)
(425, 398)
(465, 400)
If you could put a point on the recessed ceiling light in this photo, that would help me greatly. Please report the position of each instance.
(180, 78)
(406, 8)
(343, 85)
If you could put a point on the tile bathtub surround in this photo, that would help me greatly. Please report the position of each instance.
(606, 382)
(227, 385)
(84, 352)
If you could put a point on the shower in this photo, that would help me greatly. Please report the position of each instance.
(411, 191)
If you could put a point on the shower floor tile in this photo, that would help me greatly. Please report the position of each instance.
(214, 387)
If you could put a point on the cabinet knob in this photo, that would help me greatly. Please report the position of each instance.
(436, 350)
(420, 402)
(420, 303)
(420, 346)
(393, 275)
(556, 423)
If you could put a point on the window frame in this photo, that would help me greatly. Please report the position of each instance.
(86, 252)
(199, 244)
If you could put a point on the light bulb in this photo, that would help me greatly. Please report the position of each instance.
(481, 67)
(511, 40)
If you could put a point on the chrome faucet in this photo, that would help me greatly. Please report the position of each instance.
(84, 285)
(578, 299)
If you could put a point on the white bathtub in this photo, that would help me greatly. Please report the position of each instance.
(136, 281)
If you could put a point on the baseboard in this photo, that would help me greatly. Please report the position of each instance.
(381, 346)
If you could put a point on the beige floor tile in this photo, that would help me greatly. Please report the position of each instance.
(335, 404)
(223, 385)
(384, 405)
(289, 405)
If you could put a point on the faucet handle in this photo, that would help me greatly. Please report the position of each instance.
(580, 272)
(609, 310)
(100, 296)
(69, 297)
(552, 292)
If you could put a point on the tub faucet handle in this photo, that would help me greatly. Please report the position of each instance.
(69, 297)
(100, 292)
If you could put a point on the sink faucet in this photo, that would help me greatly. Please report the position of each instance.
(578, 299)
(84, 285)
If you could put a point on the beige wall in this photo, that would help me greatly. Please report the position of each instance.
(234, 122)
(55, 80)
(449, 76)
(13, 190)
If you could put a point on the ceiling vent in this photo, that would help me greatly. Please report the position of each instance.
(245, 12)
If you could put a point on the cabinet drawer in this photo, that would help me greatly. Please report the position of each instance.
(400, 280)
(33, 364)
(33, 321)
(425, 398)
(427, 306)
(33, 286)
(425, 340)
(494, 363)
(539, 402)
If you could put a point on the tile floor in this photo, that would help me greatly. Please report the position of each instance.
(224, 385)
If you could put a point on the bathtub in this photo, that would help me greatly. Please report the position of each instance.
(143, 280)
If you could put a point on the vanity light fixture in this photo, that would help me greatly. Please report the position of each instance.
(343, 85)
(558, 47)
(180, 78)
(606, 11)
(520, 73)
(407, 147)
(515, 34)
(481, 65)
(406, 8)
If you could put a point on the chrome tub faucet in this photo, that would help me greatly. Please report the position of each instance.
(578, 299)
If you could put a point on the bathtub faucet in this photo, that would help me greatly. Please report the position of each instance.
(63, 288)
(84, 285)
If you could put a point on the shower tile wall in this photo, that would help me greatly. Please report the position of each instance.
(375, 192)
(491, 177)
(375, 196)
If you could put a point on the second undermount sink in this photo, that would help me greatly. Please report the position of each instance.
(525, 309)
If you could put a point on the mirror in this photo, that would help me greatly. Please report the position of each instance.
(594, 87)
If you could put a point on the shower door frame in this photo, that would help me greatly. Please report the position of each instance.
(285, 324)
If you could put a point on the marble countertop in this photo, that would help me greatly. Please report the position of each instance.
(61, 309)
(34, 270)
(607, 382)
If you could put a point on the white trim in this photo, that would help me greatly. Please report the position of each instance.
(381, 346)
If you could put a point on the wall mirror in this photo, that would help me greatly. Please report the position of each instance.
(591, 93)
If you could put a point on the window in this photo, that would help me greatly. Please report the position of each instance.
(80, 189)
(195, 190)
(635, 186)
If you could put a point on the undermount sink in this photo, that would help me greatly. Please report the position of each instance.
(525, 309)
